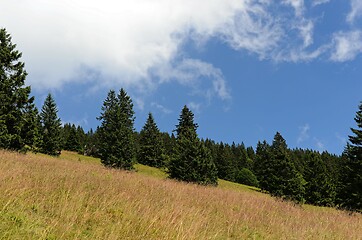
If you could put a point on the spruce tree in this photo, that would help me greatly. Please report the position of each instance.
(277, 173)
(320, 189)
(116, 132)
(31, 131)
(286, 182)
(51, 128)
(151, 151)
(72, 140)
(224, 162)
(351, 190)
(13, 94)
(191, 161)
(260, 167)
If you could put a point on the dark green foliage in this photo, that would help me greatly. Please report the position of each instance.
(320, 190)
(277, 172)
(251, 154)
(71, 138)
(191, 160)
(260, 168)
(15, 103)
(31, 131)
(151, 150)
(51, 128)
(350, 195)
(247, 177)
(116, 134)
(82, 138)
(92, 143)
(224, 162)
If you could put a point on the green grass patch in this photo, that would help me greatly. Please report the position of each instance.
(150, 171)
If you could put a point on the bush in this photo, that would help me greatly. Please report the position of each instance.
(245, 176)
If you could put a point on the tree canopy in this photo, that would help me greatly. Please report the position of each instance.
(191, 160)
(351, 191)
(151, 150)
(116, 131)
(51, 127)
(16, 107)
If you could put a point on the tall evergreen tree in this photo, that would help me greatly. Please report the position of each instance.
(351, 191)
(92, 143)
(31, 131)
(151, 151)
(286, 182)
(51, 127)
(13, 94)
(116, 132)
(224, 162)
(260, 167)
(191, 161)
(71, 138)
(277, 173)
(320, 189)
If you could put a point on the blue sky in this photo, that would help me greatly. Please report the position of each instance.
(246, 68)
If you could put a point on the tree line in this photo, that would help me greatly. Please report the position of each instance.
(298, 175)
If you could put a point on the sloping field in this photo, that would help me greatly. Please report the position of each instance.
(74, 197)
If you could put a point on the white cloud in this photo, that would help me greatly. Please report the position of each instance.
(298, 6)
(161, 108)
(133, 43)
(319, 2)
(320, 145)
(356, 11)
(306, 32)
(122, 41)
(196, 107)
(300, 37)
(139, 102)
(303, 133)
(196, 72)
(346, 45)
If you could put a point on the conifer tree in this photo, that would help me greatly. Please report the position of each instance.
(151, 151)
(13, 94)
(277, 172)
(31, 132)
(72, 140)
(261, 162)
(224, 162)
(51, 127)
(191, 161)
(320, 189)
(351, 191)
(286, 181)
(116, 132)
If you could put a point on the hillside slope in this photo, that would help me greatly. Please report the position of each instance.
(74, 197)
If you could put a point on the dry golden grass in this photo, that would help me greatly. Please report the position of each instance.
(68, 198)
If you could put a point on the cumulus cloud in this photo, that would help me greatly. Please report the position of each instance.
(356, 11)
(122, 41)
(346, 45)
(140, 43)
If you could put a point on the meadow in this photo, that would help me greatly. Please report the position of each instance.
(75, 197)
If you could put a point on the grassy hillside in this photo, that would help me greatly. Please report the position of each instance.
(74, 197)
